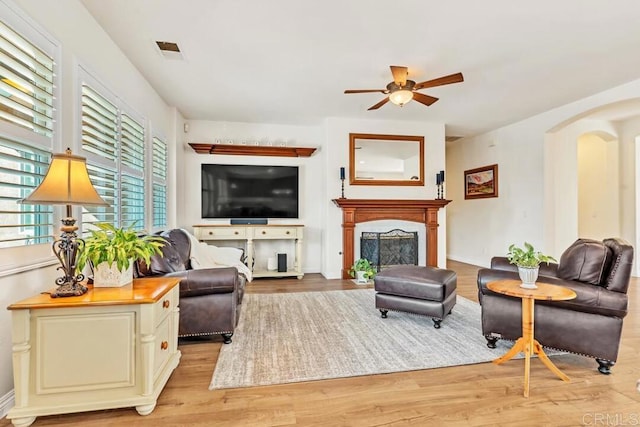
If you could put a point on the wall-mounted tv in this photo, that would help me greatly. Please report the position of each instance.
(249, 191)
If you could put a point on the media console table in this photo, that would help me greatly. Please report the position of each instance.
(355, 211)
(109, 348)
(250, 233)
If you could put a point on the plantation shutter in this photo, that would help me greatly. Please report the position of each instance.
(26, 103)
(159, 187)
(26, 83)
(22, 168)
(100, 144)
(132, 169)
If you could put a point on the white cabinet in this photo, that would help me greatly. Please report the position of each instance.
(108, 348)
(252, 235)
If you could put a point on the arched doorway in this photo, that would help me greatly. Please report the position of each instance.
(592, 185)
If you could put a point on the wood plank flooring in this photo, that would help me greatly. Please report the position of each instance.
(475, 395)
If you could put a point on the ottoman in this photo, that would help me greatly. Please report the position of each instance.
(428, 291)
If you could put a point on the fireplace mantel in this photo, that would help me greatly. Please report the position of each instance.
(355, 211)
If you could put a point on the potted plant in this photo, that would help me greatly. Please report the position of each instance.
(528, 261)
(362, 270)
(112, 251)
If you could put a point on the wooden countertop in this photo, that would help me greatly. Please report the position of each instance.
(142, 291)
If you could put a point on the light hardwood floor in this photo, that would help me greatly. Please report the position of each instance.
(475, 395)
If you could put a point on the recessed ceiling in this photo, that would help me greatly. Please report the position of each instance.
(289, 61)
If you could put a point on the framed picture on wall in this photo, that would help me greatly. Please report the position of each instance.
(480, 183)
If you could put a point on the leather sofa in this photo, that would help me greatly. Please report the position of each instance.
(210, 298)
(590, 324)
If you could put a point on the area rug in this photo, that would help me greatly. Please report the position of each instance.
(293, 337)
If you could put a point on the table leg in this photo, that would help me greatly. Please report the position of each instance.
(537, 349)
(527, 337)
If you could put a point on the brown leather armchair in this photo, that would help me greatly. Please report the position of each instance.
(590, 324)
(210, 298)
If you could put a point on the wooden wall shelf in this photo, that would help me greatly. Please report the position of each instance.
(251, 150)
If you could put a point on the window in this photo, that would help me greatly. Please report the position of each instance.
(113, 142)
(26, 136)
(159, 189)
(21, 170)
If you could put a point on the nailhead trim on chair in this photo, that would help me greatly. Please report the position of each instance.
(200, 334)
(558, 349)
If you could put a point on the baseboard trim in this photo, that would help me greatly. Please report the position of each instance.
(6, 402)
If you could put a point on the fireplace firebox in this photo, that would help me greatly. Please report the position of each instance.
(395, 247)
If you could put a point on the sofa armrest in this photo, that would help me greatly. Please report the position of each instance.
(207, 281)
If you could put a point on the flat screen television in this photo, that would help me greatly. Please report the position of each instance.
(249, 191)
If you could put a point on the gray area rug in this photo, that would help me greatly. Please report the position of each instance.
(284, 338)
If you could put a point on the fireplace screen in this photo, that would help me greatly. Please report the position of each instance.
(395, 247)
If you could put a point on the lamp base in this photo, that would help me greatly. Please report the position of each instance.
(69, 290)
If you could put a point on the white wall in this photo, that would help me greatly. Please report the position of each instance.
(337, 155)
(311, 176)
(537, 181)
(598, 176)
(82, 42)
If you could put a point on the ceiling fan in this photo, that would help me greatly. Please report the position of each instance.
(402, 90)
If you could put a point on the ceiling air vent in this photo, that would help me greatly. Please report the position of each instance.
(451, 138)
(169, 50)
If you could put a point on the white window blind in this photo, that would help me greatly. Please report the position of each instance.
(114, 144)
(132, 197)
(132, 173)
(105, 182)
(26, 83)
(26, 103)
(21, 170)
(100, 137)
(159, 189)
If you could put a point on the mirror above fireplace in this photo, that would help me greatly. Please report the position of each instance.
(376, 159)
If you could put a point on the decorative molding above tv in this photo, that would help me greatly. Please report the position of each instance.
(251, 150)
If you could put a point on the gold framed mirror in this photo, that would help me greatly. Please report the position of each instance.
(376, 159)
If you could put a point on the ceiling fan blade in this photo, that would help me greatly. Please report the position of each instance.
(424, 99)
(399, 74)
(364, 90)
(379, 104)
(446, 80)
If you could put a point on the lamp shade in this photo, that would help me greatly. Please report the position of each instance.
(66, 182)
(401, 97)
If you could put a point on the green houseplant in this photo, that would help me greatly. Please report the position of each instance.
(362, 270)
(112, 250)
(528, 261)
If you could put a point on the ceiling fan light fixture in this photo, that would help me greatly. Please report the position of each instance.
(401, 97)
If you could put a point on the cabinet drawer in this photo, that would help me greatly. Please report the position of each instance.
(221, 233)
(274, 233)
(162, 347)
(167, 303)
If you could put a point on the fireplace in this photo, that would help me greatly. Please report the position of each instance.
(395, 247)
(355, 211)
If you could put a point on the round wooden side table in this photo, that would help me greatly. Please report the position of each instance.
(527, 343)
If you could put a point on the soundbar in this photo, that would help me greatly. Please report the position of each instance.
(248, 221)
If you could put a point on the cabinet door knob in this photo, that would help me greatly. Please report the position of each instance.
(166, 303)
(164, 345)
(288, 232)
(210, 233)
(264, 232)
(235, 232)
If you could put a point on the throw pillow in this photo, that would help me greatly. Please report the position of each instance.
(586, 261)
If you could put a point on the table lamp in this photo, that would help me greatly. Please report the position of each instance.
(67, 183)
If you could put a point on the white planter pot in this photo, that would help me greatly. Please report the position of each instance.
(361, 277)
(528, 275)
(108, 276)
